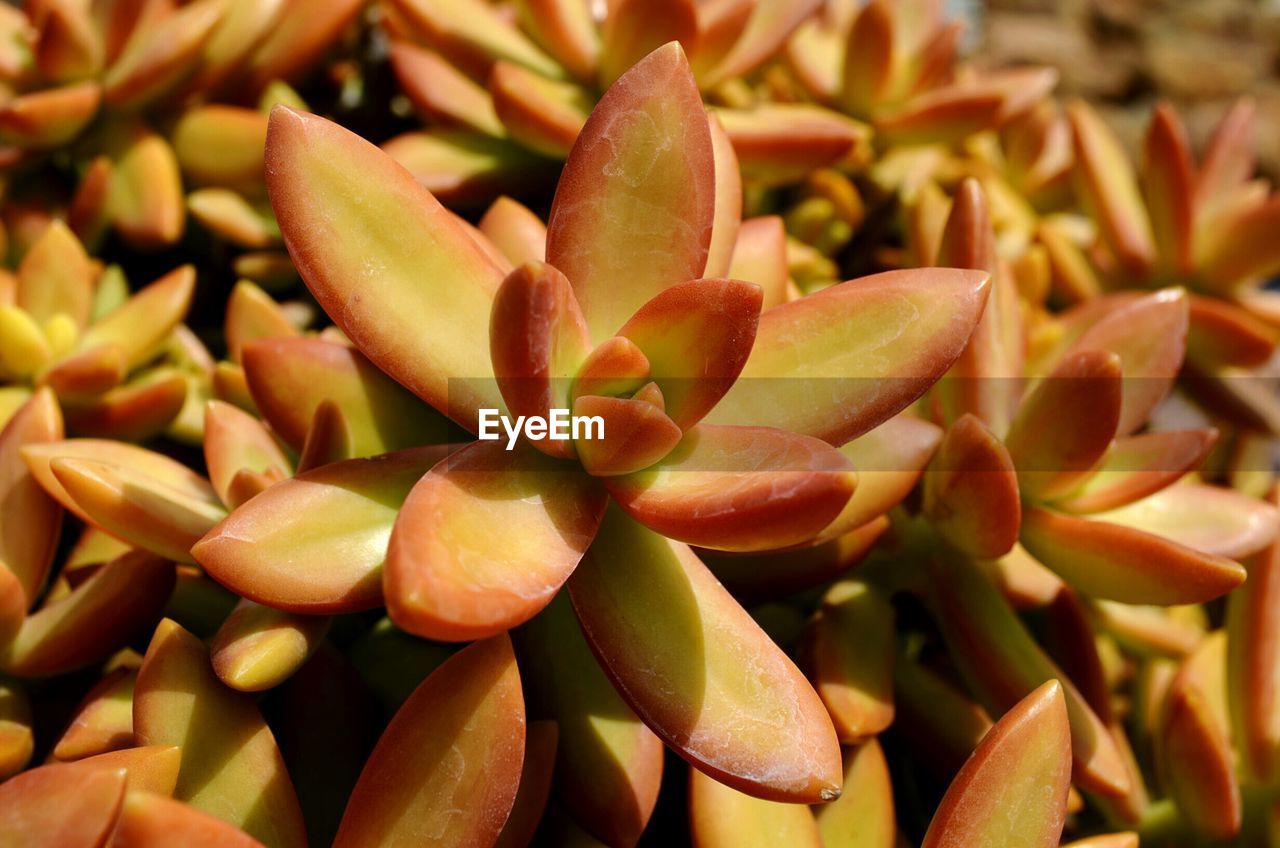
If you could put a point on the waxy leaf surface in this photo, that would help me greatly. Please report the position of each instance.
(447, 768)
(698, 670)
(1120, 563)
(696, 336)
(451, 577)
(231, 767)
(634, 207)
(723, 817)
(316, 543)
(837, 363)
(290, 378)
(739, 488)
(609, 763)
(1013, 790)
(387, 262)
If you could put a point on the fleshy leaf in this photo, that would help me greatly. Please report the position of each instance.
(143, 323)
(763, 35)
(147, 819)
(251, 315)
(698, 670)
(515, 230)
(1066, 422)
(473, 34)
(982, 381)
(728, 215)
(296, 41)
(100, 615)
(1243, 252)
(1223, 334)
(29, 518)
(340, 203)
(634, 208)
(542, 114)
(566, 29)
(944, 114)
(151, 67)
(142, 510)
(779, 143)
(1110, 189)
(150, 768)
(634, 29)
(103, 721)
(315, 544)
(290, 378)
(537, 340)
(17, 736)
(1168, 188)
(723, 817)
(1013, 790)
(236, 441)
(1002, 663)
(441, 92)
(696, 336)
(1210, 519)
(850, 648)
(461, 166)
(169, 472)
(739, 488)
(61, 804)
(1196, 757)
(136, 411)
(773, 574)
(609, 764)
(258, 647)
(1149, 334)
(231, 767)
(449, 577)
(1229, 157)
(448, 765)
(540, 743)
(943, 723)
(889, 460)
(51, 118)
(1253, 614)
(634, 434)
(971, 491)
(616, 366)
(144, 195)
(1137, 466)
(863, 815)
(855, 354)
(85, 375)
(760, 257)
(55, 277)
(1123, 564)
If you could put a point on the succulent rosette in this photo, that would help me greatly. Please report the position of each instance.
(505, 89)
(650, 357)
(121, 102)
(611, 515)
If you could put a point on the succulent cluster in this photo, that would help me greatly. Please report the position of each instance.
(925, 496)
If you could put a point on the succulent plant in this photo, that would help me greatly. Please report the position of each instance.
(120, 100)
(635, 525)
(504, 89)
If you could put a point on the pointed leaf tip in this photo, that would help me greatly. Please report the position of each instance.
(636, 200)
(1013, 790)
(391, 266)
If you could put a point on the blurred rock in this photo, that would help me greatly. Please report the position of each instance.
(1126, 54)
